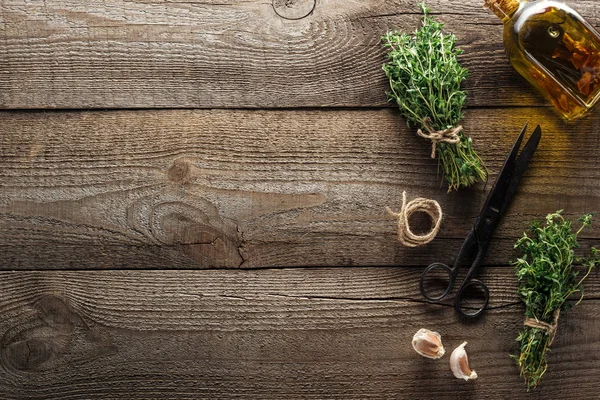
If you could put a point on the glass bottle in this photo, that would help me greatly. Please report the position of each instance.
(555, 49)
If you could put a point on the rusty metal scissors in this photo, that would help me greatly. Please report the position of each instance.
(473, 295)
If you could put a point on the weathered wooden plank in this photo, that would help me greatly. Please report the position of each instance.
(263, 334)
(341, 283)
(128, 54)
(198, 189)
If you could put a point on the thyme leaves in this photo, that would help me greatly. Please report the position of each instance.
(425, 81)
(547, 280)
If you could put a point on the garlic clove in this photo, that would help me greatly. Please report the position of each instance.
(428, 344)
(459, 364)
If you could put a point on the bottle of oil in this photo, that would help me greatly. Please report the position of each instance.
(555, 49)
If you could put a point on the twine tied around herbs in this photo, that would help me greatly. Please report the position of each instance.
(549, 328)
(429, 207)
(449, 135)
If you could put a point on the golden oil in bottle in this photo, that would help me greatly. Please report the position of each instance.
(555, 49)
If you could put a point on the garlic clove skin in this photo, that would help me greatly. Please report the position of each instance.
(428, 344)
(459, 364)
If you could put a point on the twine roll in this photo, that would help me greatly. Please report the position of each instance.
(549, 328)
(427, 206)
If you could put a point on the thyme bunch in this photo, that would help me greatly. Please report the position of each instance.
(546, 281)
(425, 79)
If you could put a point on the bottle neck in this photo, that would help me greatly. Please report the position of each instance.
(504, 9)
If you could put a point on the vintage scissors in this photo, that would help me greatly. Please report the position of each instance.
(473, 295)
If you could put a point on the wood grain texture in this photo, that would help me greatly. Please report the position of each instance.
(275, 334)
(244, 54)
(204, 189)
(178, 224)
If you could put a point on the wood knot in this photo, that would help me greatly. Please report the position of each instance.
(51, 335)
(27, 355)
(55, 312)
(180, 171)
(189, 222)
(294, 9)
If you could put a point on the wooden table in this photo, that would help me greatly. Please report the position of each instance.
(193, 199)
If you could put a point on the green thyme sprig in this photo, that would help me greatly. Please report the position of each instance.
(425, 79)
(546, 281)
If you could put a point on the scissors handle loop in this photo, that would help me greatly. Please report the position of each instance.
(472, 298)
(437, 281)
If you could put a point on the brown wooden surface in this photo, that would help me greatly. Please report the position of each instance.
(128, 54)
(218, 188)
(317, 333)
(216, 226)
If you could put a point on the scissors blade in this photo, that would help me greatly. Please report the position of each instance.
(496, 198)
(465, 251)
(521, 165)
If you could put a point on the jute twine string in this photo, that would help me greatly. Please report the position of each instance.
(430, 207)
(549, 328)
(449, 135)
